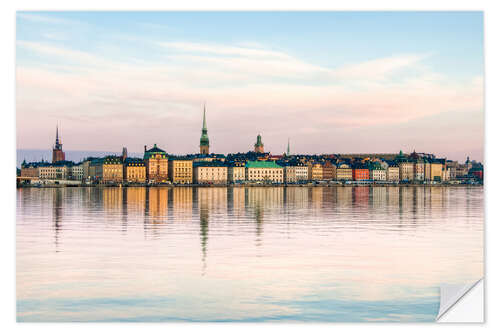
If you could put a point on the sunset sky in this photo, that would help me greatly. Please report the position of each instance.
(332, 82)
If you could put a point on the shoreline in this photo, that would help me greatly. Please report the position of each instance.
(247, 185)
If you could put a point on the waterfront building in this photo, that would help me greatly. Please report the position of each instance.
(58, 170)
(436, 171)
(314, 171)
(156, 161)
(461, 171)
(476, 171)
(134, 170)
(30, 169)
(209, 173)
(204, 142)
(329, 170)
(77, 171)
(259, 146)
(267, 171)
(419, 169)
(427, 169)
(236, 172)
(295, 172)
(301, 172)
(378, 173)
(344, 172)
(108, 169)
(406, 170)
(360, 173)
(57, 152)
(289, 174)
(393, 173)
(180, 170)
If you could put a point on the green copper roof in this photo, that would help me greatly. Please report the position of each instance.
(259, 141)
(204, 136)
(154, 151)
(262, 164)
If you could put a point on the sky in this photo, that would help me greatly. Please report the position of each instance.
(331, 82)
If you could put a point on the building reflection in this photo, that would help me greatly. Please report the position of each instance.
(182, 203)
(57, 214)
(209, 201)
(262, 199)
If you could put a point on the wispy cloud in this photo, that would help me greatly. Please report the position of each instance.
(269, 89)
(40, 18)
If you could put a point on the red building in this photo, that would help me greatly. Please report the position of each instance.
(360, 174)
(57, 152)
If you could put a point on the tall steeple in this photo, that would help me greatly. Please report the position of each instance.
(204, 142)
(288, 148)
(58, 144)
(57, 152)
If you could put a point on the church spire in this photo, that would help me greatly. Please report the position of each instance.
(288, 148)
(57, 134)
(204, 142)
(204, 118)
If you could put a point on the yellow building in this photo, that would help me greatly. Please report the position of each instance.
(344, 172)
(180, 171)
(315, 171)
(209, 173)
(108, 169)
(393, 173)
(436, 171)
(134, 170)
(156, 164)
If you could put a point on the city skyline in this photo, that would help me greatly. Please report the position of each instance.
(144, 77)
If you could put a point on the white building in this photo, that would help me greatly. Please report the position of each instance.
(77, 171)
(236, 173)
(266, 171)
(209, 173)
(378, 173)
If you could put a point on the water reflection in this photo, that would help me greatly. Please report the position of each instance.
(275, 251)
(159, 206)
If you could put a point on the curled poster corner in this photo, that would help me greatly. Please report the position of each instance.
(452, 299)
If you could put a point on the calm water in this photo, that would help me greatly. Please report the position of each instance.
(244, 254)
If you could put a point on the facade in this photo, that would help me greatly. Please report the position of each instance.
(77, 172)
(259, 146)
(393, 173)
(180, 171)
(109, 169)
(236, 173)
(209, 173)
(406, 170)
(344, 172)
(30, 169)
(204, 142)
(57, 152)
(315, 171)
(295, 173)
(436, 171)
(427, 170)
(134, 170)
(360, 173)
(156, 164)
(60, 170)
(377, 173)
(329, 171)
(419, 171)
(266, 171)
